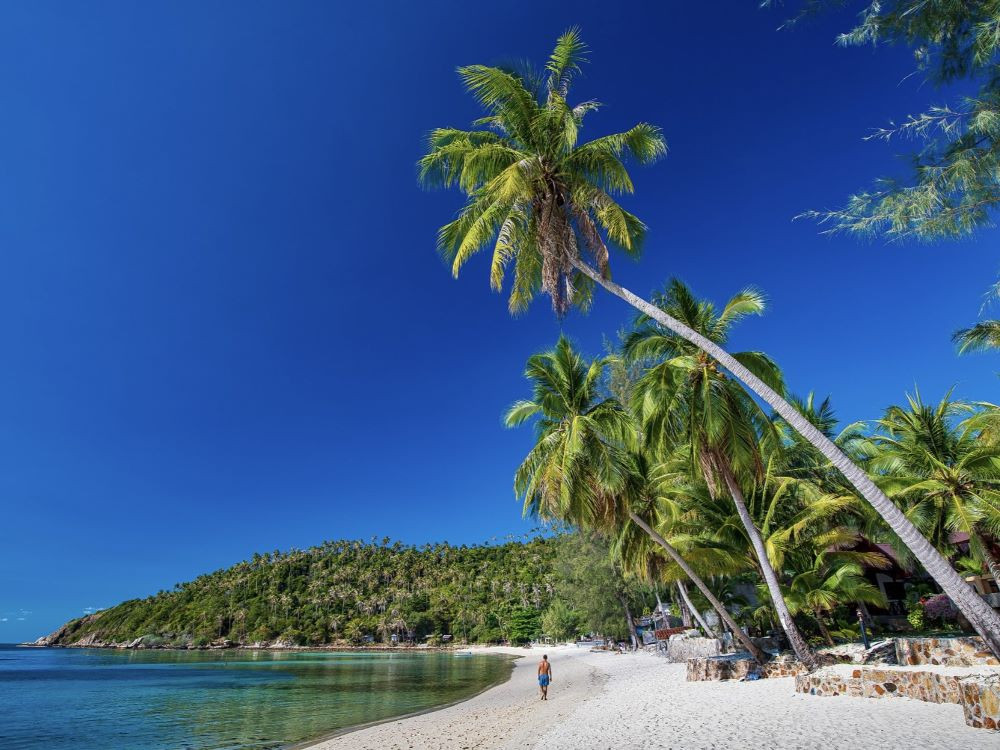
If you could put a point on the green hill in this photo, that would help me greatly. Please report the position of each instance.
(345, 592)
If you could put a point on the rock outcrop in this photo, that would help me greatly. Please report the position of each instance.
(64, 635)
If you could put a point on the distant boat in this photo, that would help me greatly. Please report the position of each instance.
(463, 653)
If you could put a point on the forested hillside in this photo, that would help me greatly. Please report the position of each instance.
(345, 592)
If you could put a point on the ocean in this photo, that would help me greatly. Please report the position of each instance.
(56, 699)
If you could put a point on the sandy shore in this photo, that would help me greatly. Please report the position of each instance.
(640, 701)
(508, 715)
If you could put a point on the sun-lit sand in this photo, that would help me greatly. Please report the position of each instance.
(611, 701)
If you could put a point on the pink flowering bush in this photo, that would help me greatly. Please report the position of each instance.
(940, 607)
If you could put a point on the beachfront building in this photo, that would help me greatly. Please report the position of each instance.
(897, 582)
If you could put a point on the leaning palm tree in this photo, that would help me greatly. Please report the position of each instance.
(659, 537)
(583, 469)
(685, 400)
(543, 200)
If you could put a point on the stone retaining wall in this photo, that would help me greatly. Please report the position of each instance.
(930, 687)
(965, 651)
(729, 668)
(981, 701)
(830, 683)
(978, 694)
(704, 669)
(681, 649)
(784, 666)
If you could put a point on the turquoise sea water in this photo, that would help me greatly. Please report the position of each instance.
(153, 700)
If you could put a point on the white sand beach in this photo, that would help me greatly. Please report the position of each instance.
(600, 700)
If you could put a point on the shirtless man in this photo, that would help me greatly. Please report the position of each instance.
(544, 676)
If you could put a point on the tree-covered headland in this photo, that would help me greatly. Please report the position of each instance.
(358, 593)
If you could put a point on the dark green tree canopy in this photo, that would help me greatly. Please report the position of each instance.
(343, 591)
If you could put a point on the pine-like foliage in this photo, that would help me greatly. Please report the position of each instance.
(955, 182)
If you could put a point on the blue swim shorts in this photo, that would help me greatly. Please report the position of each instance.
(543, 680)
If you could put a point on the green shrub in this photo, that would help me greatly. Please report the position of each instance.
(560, 622)
(525, 625)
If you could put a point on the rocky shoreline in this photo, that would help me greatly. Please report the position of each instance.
(63, 638)
(142, 643)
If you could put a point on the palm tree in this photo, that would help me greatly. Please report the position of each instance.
(640, 550)
(582, 469)
(980, 337)
(938, 469)
(685, 400)
(532, 185)
(537, 195)
(832, 579)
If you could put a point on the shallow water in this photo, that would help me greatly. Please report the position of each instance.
(58, 699)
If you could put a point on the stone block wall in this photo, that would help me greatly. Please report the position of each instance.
(978, 694)
(714, 668)
(930, 687)
(981, 701)
(729, 668)
(966, 651)
(829, 683)
(681, 649)
(883, 682)
(783, 666)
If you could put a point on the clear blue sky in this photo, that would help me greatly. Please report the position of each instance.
(223, 325)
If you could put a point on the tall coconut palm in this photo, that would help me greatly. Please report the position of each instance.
(581, 439)
(684, 399)
(539, 198)
(657, 528)
(934, 464)
(583, 468)
(532, 186)
(644, 503)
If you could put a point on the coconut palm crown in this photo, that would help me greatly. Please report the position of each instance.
(586, 468)
(685, 397)
(534, 191)
(937, 467)
(580, 438)
(982, 336)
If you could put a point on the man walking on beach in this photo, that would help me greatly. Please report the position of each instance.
(544, 676)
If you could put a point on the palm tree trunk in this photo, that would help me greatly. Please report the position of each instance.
(694, 611)
(980, 615)
(989, 558)
(659, 604)
(822, 628)
(799, 645)
(727, 618)
(628, 619)
(685, 612)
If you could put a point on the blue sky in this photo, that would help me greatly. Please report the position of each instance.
(223, 325)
